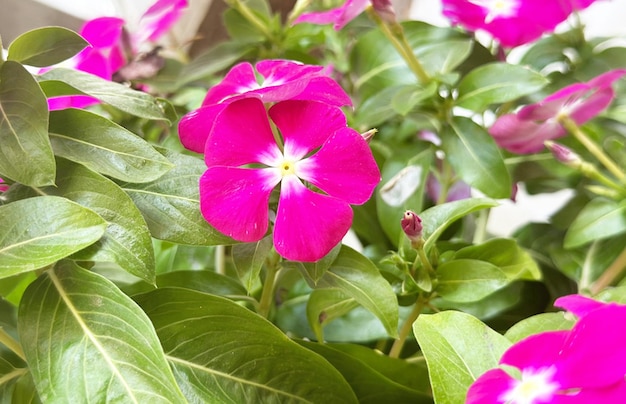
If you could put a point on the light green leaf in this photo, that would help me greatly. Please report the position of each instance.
(171, 204)
(104, 146)
(62, 81)
(325, 305)
(469, 280)
(249, 259)
(436, 219)
(496, 83)
(42, 230)
(86, 341)
(46, 46)
(476, 158)
(25, 152)
(507, 255)
(233, 355)
(539, 323)
(458, 349)
(357, 277)
(370, 386)
(214, 60)
(127, 241)
(599, 219)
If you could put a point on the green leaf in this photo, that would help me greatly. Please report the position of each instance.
(469, 280)
(171, 204)
(436, 219)
(86, 341)
(236, 356)
(496, 83)
(104, 146)
(441, 58)
(126, 241)
(325, 305)
(357, 277)
(62, 81)
(370, 386)
(249, 259)
(46, 46)
(316, 270)
(475, 157)
(458, 349)
(43, 230)
(539, 323)
(507, 255)
(25, 152)
(214, 60)
(599, 219)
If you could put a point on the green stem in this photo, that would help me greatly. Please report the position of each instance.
(251, 17)
(220, 259)
(593, 148)
(398, 344)
(267, 296)
(395, 34)
(13, 345)
(480, 234)
(298, 8)
(613, 272)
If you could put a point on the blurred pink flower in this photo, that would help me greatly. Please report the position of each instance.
(107, 53)
(282, 80)
(3, 185)
(526, 131)
(323, 167)
(342, 15)
(584, 365)
(512, 22)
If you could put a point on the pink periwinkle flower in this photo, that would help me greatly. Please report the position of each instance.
(526, 131)
(584, 365)
(281, 80)
(342, 15)
(512, 22)
(322, 168)
(3, 185)
(107, 51)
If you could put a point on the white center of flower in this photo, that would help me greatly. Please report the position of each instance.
(497, 8)
(287, 168)
(535, 387)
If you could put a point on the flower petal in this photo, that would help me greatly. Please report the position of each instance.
(157, 20)
(236, 200)
(521, 136)
(578, 304)
(344, 167)
(489, 387)
(238, 80)
(305, 125)
(195, 126)
(592, 106)
(308, 224)
(242, 135)
(340, 16)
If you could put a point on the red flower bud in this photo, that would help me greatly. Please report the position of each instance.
(412, 226)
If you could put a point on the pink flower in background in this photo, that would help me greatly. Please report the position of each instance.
(584, 365)
(527, 130)
(341, 16)
(282, 80)
(323, 167)
(3, 185)
(107, 53)
(511, 22)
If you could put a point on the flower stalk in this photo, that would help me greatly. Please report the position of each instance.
(611, 274)
(396, 348)
(9, 342)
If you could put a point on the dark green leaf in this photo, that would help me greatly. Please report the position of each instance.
(476, 158)
(458, 349)
(25, 152)
(236, 356)
(599, 219)
(213, 61)
(46, 46)
(249, 259)
(104, 146)
(85, 341)
(496, 83)
(127, 241)
(43, 230)
(325, 305)
(368, 384)
(61, 81)
(171, 204)
(315, 270)
(469, 280)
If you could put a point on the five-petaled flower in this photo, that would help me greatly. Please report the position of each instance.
(322, 167)
(512, 22)
(526, 130)
(282, 80)
(342, 15)
(586, 364)
(109, 45)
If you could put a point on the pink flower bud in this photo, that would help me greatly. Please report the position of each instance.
(562, 154)
(412, 226)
